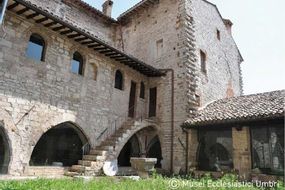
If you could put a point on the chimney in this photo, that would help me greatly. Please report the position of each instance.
(107, 7)
(228, 23)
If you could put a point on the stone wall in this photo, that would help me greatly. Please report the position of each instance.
(155, 35)
(167, 35)
(79, 17)
(35, 96)
(222, 56)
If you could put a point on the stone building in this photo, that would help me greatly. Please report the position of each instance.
(79, 87)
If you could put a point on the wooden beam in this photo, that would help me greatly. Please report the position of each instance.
(106, 51)
(94, 45)
(58, 28)
(22, 11)
(87, 42)
(122, 59)
(100, 48)
(10, 7)
(117, 56)
(80, 39)
(74, 35)
(50, 24)
(112, 54)
(127, 61)
(42, 20)
(32, 15)
(66, 32)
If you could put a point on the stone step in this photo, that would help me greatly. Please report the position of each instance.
(45, 170)
(98, 152)
(91, 165)
(109, 143)
(94, 157)
(105, 148)
(87, 163)
(71, 174)
(78, 168)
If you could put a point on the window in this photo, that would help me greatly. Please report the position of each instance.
(268, 149)
(119, 80)
(218, 34)
(77, 64)
(36, 48)
(142, 93)
(159, 48)
(203, 61)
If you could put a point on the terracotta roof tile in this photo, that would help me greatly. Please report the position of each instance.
(242, 108)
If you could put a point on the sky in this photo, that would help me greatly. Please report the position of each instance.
(259, 31)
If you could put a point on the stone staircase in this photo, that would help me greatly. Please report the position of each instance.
(109, 149)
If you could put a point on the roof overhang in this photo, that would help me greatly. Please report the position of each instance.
(38, 15)
(234, 122)
(137, 7)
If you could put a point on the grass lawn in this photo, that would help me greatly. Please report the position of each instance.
(104, 183)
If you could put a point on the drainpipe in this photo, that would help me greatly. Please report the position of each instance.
(172, 117)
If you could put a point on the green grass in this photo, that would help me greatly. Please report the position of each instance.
(104, 183)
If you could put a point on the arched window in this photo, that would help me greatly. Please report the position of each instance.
(119, 80)
(142, 91)
(36, 48)
(77, 64)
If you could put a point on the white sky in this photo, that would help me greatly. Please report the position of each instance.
(259, 31)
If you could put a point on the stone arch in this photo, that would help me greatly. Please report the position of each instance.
(61, 144)
(153, 150)
(131, 149)
(10, 137)
(138, 126)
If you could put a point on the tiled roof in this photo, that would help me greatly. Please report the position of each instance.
(90, 9)
(253, 107)
(136, 7)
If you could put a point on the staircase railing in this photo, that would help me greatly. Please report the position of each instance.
(117, 123)
(86, 149)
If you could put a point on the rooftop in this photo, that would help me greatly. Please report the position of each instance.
(268, 105)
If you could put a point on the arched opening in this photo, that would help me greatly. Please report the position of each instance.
(60, 145)
(77, 65)
(4, 152)
(131, 149)
(36, 48)
(217, 157)
(154, 151)
(214, 152)
(119, 80)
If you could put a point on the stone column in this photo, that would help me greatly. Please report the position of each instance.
(242, 151)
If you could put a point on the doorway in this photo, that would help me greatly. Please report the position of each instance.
(152, 102)
(132, 101)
